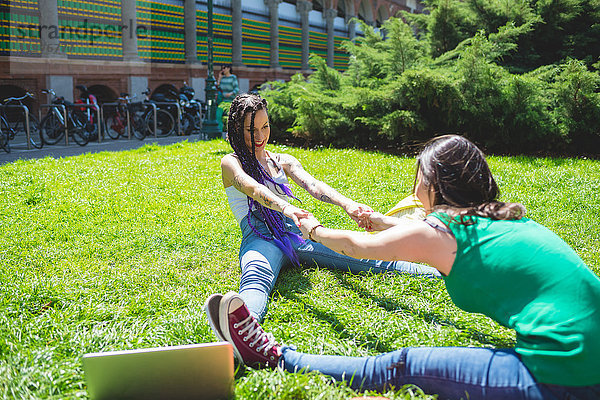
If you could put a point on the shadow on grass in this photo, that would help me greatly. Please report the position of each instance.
(220, 152)
(294, 283)
(541, 162)
(290, 280)
(241, 370)
(430, 317)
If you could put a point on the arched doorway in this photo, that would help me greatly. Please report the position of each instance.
(318, 5)
(365, 12)
(341, 9)
(103, 93)
(15, 114)
(164, 92)
(383, 15)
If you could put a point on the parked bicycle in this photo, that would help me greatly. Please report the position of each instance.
(86, 97)
(15, 120)
(165, 123)
(4, 135)
(53, 125)
(115, 119)
(189, 113)
(116, 123)
(190, 107)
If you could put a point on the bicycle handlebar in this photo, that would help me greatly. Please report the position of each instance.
(9, 99)
(51, 91)
(127, 98)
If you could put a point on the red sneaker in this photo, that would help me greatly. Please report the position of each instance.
(251, 344)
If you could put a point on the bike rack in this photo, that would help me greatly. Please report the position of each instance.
(145, 104)
(127, 115)
(26, 113)
(153, 105)
(166, 103)
(98, 113)
(64, 111)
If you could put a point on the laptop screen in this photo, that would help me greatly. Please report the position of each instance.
(197, 371)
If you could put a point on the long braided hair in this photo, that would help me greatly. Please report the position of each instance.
(241, 106)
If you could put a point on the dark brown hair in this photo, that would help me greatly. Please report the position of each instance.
(458, 177)
(228, 66)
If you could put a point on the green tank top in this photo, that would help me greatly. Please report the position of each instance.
(526, 278)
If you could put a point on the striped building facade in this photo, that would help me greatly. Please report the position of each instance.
(115, 46)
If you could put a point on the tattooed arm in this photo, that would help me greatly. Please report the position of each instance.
(234, 175)
(320, 190)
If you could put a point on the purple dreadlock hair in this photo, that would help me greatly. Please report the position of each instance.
(241, 106)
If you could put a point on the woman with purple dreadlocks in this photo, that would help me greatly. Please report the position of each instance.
(256, 184)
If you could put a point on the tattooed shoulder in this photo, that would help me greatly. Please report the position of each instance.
(239, 181)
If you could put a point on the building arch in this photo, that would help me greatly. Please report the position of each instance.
(166, 91)
(365, 11)
(14, 114)
(383, 14)
(318, 5)
(341, 9)
(103, 93)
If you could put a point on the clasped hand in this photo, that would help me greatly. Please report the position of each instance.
(302, 218)
(364, 216)
(307, 224)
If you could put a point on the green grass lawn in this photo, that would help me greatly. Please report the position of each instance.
(114, 251)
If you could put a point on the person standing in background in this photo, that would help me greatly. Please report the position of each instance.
(228, 88)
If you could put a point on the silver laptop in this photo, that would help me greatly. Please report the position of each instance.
(197, 371)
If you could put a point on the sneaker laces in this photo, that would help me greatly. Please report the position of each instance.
(257, 333)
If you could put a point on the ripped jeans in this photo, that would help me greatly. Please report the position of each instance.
(261, 260)
(450, 372)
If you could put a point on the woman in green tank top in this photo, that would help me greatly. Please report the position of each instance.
(495, 262)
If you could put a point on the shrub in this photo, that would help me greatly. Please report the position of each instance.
(578, 105)
(423, 102)
(401, 88)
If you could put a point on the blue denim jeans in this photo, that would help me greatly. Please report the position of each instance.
(451, 372)
(261, 261)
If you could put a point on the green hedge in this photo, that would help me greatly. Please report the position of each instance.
(396, 92)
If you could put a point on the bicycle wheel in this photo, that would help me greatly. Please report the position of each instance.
(4, 132)
(198, 122)
(91, 130)
(187, 124)
(51, 129)
(138, 126)
(79, 131)
(115, 126)
(15, 118)
(35, 135)
(164, 123)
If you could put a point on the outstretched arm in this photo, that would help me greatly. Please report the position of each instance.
(375, 222)
(234, 174)
(413, 241)
(320, 190)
